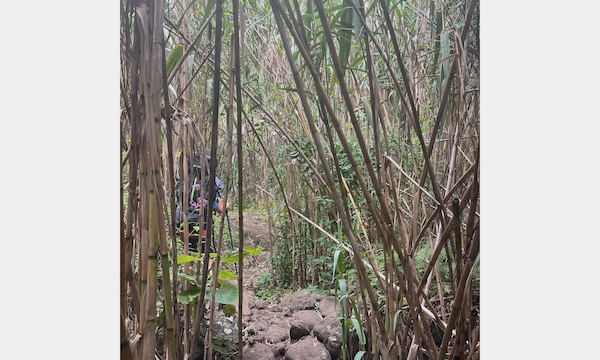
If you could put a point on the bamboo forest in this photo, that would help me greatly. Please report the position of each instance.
(333, 148)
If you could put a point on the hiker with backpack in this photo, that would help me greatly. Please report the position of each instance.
(196, 204)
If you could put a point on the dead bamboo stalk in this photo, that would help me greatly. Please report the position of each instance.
(458, 300)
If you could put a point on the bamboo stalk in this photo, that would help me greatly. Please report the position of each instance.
(238, 88)
(213, 166)
(216, 264)
(190, 48)
(170, 293)
(152, 287)
(459, 297)
(125, 347)
(377, 214)
(314, 133)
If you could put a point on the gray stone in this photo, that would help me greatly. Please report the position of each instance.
(279, 349)
(327, 306)
(261, 325)
(258, 351)
(307, 348)
(309, 317)
(298, 329)
(301, 300)
(329, 332)
(276, 333)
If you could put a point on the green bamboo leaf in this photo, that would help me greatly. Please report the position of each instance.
(227, 294)
(174, 58)
(359, 331)
(396, 319)
(289, 89)
(336, 257)
(345, 33)
(209, 6)
(368, 110)
(359, 355)
(438, 30)
(342, 264)
(343, 291)
(353, 303)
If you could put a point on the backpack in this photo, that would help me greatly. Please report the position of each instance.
(193, 197)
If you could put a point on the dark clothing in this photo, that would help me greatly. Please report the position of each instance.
(195, 203)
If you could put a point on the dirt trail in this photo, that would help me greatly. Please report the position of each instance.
(299, 325)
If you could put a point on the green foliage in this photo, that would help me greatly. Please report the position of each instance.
(174, 58)
(186, 297)
(422, 258)
(187, 258)
(227, 294)
(265, 286)
(235, 256)
(224, 348)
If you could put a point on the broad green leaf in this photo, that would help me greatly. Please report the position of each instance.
(224, 275)
(252, 250)
(248, 250)
(233, 258)
(227, 294)
(227, 274)
(186, 258)
(187, 296)
(160, 320)
(174, 58)
(229, 310)
(187, 277)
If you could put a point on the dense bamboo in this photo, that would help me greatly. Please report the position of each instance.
(380, 166)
